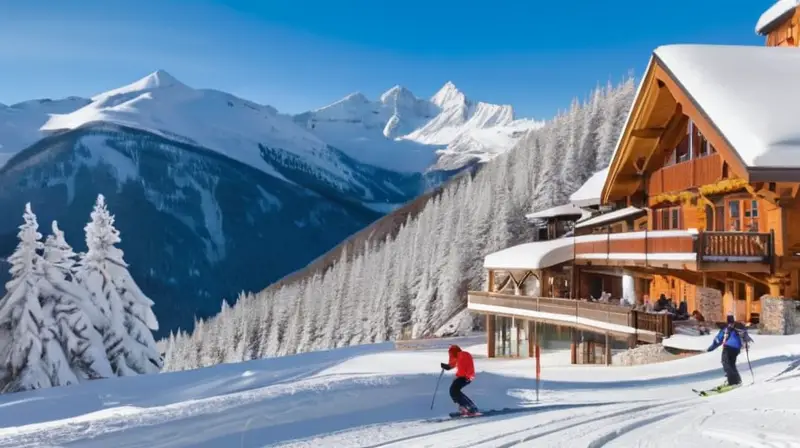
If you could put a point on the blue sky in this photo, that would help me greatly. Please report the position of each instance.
(302, 54)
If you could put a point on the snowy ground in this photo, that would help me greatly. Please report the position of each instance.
(377, 396)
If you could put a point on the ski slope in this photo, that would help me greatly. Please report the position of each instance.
(376, 395)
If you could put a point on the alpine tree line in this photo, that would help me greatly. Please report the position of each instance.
(65, 317)
(409, 285)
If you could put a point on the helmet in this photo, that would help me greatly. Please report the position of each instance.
(453, 350)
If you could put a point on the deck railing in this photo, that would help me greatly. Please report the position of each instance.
(661, 324)
(685, 175)
(703, 247)
(735, 247)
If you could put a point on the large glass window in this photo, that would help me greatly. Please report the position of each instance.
(511, 337)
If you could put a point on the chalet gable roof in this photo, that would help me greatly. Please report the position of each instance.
(746, 95)
(749, 93)
(776, 14)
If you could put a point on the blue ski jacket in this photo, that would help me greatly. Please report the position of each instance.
(730, 337)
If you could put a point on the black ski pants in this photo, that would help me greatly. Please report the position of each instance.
(729, 365)
(458, 396)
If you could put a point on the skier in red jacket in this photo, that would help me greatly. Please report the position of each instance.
(465, 373)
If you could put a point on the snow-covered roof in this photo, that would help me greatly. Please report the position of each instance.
(748, 93)
(538, 255)
(616, 215)
(589, 193)
(775, 14)
(557, 211)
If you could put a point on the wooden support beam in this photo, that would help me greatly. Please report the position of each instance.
(647, 132)
(573, 347)
(490, 336)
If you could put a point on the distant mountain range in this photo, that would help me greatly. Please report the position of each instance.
(215, 194)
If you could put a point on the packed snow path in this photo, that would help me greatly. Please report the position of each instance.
(374, 396)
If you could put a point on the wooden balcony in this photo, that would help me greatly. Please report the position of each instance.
(735, 247)
(685, 175)
(588, 316)
(678, 249)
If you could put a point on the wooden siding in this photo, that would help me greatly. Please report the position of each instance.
(686, 175)
(787, 34)
(673, 244)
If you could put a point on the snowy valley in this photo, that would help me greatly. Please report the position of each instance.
(211, 181)
(410, 279)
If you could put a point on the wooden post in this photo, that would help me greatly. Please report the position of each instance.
(608, 350)
(490, 282)
(490, 336)
(573, 347)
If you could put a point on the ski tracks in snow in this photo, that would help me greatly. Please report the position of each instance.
(592, 425)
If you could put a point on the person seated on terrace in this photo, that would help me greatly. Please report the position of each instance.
(683, 311)
(661, 304)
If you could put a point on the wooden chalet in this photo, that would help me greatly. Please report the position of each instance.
(703, 199)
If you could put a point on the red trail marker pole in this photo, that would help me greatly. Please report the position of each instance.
(538, 371)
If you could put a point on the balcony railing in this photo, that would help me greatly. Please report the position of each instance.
(685, 175)
(676, 245)
(577, 312)
(735, 247)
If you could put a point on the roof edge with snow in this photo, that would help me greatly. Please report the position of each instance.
(775, 15)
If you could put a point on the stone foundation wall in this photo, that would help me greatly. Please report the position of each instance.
(709, 303)
(779, 316)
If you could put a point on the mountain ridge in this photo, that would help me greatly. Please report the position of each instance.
(399, 130)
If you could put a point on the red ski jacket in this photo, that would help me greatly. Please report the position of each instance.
(462, 361)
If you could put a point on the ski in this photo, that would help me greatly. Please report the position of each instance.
(714, 391)
(489, 412)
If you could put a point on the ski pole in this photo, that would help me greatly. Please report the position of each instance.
(437, 388)
(747, 354)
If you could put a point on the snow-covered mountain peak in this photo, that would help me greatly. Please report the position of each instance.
(356, 98)
(398, 95)
(449, 96)
(159, 79)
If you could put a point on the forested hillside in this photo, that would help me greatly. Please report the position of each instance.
(408, 284)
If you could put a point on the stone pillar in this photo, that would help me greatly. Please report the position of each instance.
(777, 284)
(709, 303)
(777, 316)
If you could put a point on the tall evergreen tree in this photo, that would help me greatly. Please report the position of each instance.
(21, 314)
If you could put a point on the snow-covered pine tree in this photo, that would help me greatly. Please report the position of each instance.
(68, 316)
(21, 314)
(128, 317)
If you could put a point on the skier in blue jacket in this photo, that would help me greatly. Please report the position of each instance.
(732, 340)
